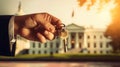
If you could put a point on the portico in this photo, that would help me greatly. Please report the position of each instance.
(76, 36)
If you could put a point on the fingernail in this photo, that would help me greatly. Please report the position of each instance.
(46, 32)
(41, 38)
(50, 36)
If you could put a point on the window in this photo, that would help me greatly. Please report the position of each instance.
(88, 52)
(51, 52)
(45, 45)
(101, 51)
(88, 37)
(33, 44)
(39, 45)
(107, 52)
(101, 45)
(57, 45)
(51, 45)
(72, 45)
(107, 45)
(56, 51)
(80, 36)
(95, 52)
(33, 52)
(39, 52)
(94, 45)
(88, 45)
(45, 51)
(80, 45)
(73, 35)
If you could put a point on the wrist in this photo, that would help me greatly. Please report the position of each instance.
(18, 22)
(16, 28)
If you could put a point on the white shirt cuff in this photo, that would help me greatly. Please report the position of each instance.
(11, 30)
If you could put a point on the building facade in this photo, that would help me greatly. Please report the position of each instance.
(96, 42)
(80, 40)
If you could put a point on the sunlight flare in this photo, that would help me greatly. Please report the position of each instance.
(96, 13)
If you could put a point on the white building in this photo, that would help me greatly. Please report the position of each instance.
(80, 40)
(96, 42)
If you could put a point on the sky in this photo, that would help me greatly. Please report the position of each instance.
(61, 9)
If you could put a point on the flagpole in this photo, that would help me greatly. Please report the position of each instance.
(73, 16)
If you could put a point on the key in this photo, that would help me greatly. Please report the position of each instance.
(64, 35)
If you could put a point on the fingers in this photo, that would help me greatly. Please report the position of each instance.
(47, 21)
(56, 21)
(25, 32)
(49, 27)
(47, 17)
(44, 26)
(41, 38)
(45, 36)
(48, 35)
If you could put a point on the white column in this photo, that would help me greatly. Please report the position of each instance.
(48, 47)
(69, 41)
(76, 40)
(61, 46)
(54, 46)
(85, 41)
(42, 48)
(36, 48)
(30, 49)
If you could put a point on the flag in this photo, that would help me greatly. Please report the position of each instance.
(72, 13)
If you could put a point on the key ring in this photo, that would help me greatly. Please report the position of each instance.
(63, 25)
(63, 33)
(58, 29)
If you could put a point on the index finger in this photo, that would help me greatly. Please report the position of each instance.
(56, 21)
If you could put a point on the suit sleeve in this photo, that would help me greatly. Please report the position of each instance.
(4, 36)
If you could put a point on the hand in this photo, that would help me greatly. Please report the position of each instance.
(37, 27)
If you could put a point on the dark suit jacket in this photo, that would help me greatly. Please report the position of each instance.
(4, 36)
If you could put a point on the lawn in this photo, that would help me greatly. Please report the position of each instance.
(82, 57)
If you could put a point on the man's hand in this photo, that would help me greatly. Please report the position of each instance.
(37, 27)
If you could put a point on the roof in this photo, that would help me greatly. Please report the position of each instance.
(74, 26)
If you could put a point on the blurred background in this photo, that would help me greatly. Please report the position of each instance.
(93, 27)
